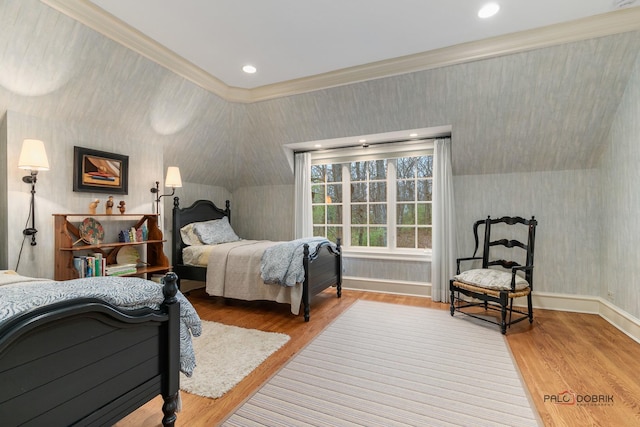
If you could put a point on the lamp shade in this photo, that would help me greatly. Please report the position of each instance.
(173, 179)
(33, 156)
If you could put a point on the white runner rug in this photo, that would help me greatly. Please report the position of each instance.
(225, 355)
(387, 365)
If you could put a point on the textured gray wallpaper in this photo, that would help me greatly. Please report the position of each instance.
(620, 207)
(566, 205)
(264, 213)
(4, 244)
(546, 109)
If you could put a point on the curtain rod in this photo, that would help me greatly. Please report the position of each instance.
(372, 144)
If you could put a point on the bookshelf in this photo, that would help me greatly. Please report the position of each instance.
(69, 244)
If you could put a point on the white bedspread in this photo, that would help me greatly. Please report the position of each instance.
(233, 271)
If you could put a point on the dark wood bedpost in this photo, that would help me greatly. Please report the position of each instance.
(171, 385)
(339, 268)
(306, 297)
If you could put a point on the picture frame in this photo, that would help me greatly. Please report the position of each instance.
(97, 171)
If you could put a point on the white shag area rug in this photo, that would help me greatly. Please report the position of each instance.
(225, 355)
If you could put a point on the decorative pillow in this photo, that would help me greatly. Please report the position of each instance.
(189, 236)
(215, 231)
(490, 278)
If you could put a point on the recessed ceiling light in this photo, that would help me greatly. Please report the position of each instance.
(488, 10)
(362, 140)
(249, 69)
(413, 135)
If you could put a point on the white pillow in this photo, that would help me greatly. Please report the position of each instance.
(189, 236)
(215, 231)
(490, 278)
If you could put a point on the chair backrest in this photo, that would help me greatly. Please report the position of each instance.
(490, 242)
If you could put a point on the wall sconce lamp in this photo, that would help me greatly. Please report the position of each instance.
(173, 181)
(33, 157)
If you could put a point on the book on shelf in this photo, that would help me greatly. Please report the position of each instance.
(122, 273)
(120, 269)
(79, 265)
(92, 265)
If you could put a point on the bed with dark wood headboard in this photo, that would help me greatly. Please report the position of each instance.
(322, 266)
(84, 360)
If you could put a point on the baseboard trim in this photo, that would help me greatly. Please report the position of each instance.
(420, 289)
(564, 302)
(625, 322)
(619, 318)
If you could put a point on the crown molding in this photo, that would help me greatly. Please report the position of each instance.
(108, 25)
(597, 26)
(85, 12)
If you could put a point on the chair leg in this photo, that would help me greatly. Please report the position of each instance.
(452, 308)
(530, 307)
(503, 305)
(510, 310)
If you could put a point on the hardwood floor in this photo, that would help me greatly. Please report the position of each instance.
(561, 352)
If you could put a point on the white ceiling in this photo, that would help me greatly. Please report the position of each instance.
(292, 39)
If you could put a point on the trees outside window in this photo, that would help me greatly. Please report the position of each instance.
(375, 203)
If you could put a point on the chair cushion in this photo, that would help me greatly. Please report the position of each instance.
(489, 278)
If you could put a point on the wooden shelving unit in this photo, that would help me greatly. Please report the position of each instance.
(67, 237)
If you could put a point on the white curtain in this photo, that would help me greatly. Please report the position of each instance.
(443, 262)
(303, 215)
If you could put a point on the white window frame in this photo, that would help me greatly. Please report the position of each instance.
(376, 152)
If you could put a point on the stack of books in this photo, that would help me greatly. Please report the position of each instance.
(120, 269)
(92, 265)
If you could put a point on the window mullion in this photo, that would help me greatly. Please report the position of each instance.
(391, 203)
(346, 205)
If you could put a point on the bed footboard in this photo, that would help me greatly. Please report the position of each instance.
(322, 269)
(85, 361)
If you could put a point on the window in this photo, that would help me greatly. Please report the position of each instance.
(379, 201)
(326, 199)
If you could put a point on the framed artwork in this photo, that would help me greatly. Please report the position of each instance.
(100, 172)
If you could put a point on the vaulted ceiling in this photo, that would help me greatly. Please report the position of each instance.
(544, 106)
(289, 39)
(304, 46)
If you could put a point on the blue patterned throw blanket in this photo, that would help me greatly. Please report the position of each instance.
(127, 293)
(282, 264)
